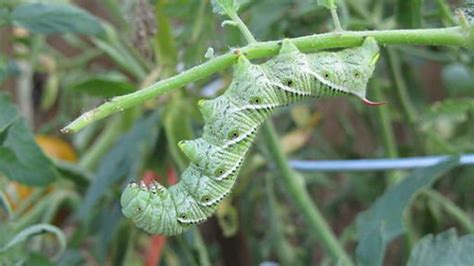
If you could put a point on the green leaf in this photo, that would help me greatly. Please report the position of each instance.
(329, 4)
(8, 114)
(34, 230)
(5, 206)
(109, 220)
(383, 221)
(20, 157)
(116, 50)
(108, 85)
(4, 16)
(55, 18)
(223, 7)
(443, 249)
(74, 172)
(124, 161)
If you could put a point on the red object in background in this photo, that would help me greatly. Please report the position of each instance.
(153, 253)
(149, 176)
(157, 242)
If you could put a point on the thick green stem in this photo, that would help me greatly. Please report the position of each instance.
(301, 198)
(443, 36)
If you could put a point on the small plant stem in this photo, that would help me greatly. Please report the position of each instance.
(301, 198)
(402, 90)
(388, 138)
(408, 108)
(444, 36)
(335, 18)
(462, 20)
(451, 208)
(242, 27)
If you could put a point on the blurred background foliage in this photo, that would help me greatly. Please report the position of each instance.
(59, 58)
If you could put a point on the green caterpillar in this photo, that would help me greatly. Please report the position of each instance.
(231, 122)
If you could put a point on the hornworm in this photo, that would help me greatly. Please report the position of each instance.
(231, 122)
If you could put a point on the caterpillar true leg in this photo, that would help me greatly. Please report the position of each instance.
(231, 123)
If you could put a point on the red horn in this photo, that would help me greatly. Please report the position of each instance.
(370, 103)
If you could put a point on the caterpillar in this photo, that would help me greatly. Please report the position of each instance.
(231, 122)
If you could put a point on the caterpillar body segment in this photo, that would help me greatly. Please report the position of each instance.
(231, 123)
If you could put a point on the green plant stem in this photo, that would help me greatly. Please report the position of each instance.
(451, 209)
(384, 119)
(442, 36)
(301, 198)
(242, 27)
(402, 90)
(388, 139)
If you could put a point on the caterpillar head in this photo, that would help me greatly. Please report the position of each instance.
(349, 70)
(360, 64)
(135, 198)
